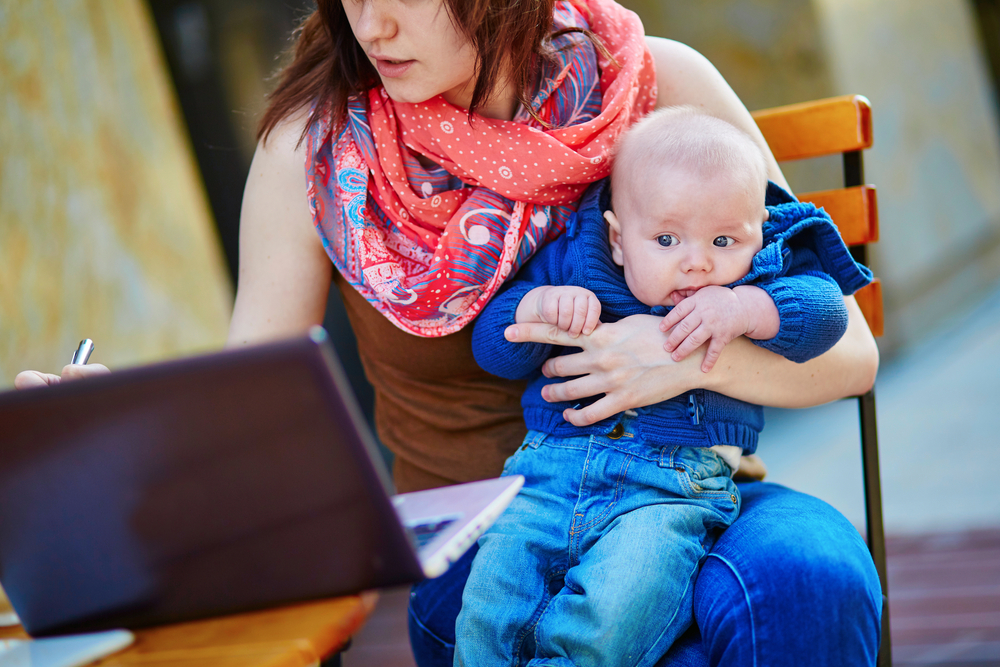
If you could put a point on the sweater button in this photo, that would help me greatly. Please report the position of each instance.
(617, 432)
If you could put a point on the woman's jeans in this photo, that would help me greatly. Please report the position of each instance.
(789, 583)
(594, 562)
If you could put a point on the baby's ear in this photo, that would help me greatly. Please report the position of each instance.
(615, 238)
(767, 214)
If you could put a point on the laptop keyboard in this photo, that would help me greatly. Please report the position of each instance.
(425, 532)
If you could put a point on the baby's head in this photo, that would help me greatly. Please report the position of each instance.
(687, 193)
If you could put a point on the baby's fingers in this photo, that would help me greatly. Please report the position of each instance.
(593, 316)
(690, 343)
(674, 317)
(681, 332)
(567, 319)
(712, 355)
(579, 313)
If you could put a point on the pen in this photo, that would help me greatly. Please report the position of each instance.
(82, 354)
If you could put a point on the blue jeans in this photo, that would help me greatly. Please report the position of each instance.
(594, 562)
(789, 583)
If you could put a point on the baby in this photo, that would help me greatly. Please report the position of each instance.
(594, 562)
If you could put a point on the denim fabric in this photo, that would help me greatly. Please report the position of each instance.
(817, 568)
(789, 583)
(594, 562)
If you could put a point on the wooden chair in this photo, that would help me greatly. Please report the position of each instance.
(826, 127)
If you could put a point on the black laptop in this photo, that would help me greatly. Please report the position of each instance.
(210, 485)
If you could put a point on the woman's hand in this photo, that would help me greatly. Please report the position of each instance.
(31, 379)
(623, 360)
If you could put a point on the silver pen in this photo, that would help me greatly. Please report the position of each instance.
(82, 354)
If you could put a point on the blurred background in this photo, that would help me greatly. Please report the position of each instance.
(126, 133)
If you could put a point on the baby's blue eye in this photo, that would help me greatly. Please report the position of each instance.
(723, 241)
(666, 240)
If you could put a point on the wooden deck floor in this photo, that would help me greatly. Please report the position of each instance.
(944, 592)
(944, 596)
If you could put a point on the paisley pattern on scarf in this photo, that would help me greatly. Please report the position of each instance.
(428, 247)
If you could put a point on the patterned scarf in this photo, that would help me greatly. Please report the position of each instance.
(429, 247)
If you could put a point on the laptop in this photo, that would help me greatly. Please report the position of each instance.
(211, 485)
(64, 651)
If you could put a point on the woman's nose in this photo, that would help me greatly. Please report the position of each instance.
(375, 22)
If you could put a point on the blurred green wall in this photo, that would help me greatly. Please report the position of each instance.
(104, 228)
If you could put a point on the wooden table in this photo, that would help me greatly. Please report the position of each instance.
(294, 636)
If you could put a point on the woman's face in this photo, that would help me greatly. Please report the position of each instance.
(416, 49)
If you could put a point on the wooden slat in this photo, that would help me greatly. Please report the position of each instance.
(822, 127)
(854, 210)
(870, 300)
(298, 635)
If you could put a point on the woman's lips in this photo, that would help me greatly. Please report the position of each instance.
(392, 69)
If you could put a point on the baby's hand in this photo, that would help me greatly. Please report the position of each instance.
(573, 309)
(712, 313)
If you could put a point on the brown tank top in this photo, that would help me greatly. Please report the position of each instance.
(445, 419)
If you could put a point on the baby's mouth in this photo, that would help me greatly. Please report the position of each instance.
(679, 295)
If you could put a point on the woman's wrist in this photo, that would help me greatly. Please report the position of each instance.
(750, 373)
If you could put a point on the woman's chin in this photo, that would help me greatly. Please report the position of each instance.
(405, 95)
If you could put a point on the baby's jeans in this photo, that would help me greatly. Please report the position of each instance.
(595, 560)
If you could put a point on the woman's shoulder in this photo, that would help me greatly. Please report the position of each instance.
(286, 140)
(665, 49)
(276, 184)
(277, 173)
(683, 75)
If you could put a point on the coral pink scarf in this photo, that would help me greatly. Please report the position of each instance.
(429, 247)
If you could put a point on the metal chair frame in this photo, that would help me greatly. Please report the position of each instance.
(825, 127)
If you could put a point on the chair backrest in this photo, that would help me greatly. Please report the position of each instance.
(826, 127)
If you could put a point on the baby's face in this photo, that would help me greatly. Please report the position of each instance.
(676, 232)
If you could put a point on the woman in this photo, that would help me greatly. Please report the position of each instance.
(424, 210)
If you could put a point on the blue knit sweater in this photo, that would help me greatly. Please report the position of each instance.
(804, 266)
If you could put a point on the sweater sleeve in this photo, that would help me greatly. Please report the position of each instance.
(494, 353)
(811, 308)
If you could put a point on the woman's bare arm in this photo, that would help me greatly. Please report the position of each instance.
(284, 273)
(756, 375)
(685, 77)
(284, 276)
(625, 360)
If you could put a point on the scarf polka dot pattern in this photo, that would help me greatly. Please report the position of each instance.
(429, 246)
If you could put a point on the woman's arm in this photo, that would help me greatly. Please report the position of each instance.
(752, 374)
(285, 274)
(626, 361)
(684, 76)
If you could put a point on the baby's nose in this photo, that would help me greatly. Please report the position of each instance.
(697, 259)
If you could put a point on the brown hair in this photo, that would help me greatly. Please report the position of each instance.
(328, 64)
